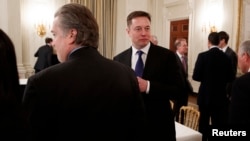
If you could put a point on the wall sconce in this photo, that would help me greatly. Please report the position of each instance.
(40, 30)
(213, 29)
(209, 27)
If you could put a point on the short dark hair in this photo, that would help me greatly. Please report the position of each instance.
(48, 40)
(223, 35)
(213, 38)
(136, 14)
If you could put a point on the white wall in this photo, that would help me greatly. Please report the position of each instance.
(18, 21)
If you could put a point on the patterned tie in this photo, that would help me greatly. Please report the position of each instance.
(139, 64)
(183, 60)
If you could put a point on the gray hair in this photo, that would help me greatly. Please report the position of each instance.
(80, 18)
(178, 41)
(245, 47)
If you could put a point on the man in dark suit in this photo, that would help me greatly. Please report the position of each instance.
(87, 96)
(44, 56)
(213, 69)
(224, 37)
(239, 114)
(181, 54)
(160, 80)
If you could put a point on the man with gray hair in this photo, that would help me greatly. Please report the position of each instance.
(86, 96)
(154, 39)
(239, 108)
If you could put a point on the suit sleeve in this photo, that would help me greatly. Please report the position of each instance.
(198, 69)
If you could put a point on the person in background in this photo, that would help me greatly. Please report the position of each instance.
(239, 113)
(12, 125)
(158, 75)
(44, 55)
(86, 96)
(181, 54)
(154, 39)
(54, 58)
(213, 69)
(223, 45)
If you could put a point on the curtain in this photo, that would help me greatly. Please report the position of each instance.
(105, 14)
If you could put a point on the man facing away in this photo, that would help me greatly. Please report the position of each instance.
(158, 75)
(44, 55)
(213, 69)
(86, 96)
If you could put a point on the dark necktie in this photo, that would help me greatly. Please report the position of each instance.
(183, 60)
(139, 64)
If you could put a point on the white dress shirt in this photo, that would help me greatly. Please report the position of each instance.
(144, 57)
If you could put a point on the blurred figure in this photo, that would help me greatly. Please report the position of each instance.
(86, 96)
(181, 53)
(54, 58)
(44, 55)
(12, 125)
(224, 37)
(158, 75)
(154, 39)
(239, 114)
(213, 69)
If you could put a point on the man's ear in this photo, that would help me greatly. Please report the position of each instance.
(72, 35)
(127, 30)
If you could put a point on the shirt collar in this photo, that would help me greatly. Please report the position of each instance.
(213, 47)
(74, 50)
(179, 54)
(224, 48)
(144, 49)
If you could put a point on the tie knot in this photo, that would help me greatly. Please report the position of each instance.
(183, 57)
(139, 52)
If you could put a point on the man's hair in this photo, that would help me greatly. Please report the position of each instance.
(223, 35)
(178, 41)
(245, 47)
(48, 40)
(213, 38)
(80, 18)
(136, 14)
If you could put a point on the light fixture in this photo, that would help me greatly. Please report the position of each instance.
(41, 30)
(209, 27)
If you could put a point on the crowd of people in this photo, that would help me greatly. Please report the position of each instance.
(87, 96)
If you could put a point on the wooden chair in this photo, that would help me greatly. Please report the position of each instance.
(189, 116)
(172, 104)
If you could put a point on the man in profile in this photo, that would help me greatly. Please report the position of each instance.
(86, 96)
(181, 54)
(223, 45)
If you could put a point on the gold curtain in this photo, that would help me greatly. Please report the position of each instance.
(105, 14)
(239, 29)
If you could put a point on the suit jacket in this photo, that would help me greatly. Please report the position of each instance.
(44, 60)
(86, 97)
(233, 57)
(188, 87)
(239, 113)
(163, 72)
(214, 70)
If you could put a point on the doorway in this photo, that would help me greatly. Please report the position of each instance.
(178, 29)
